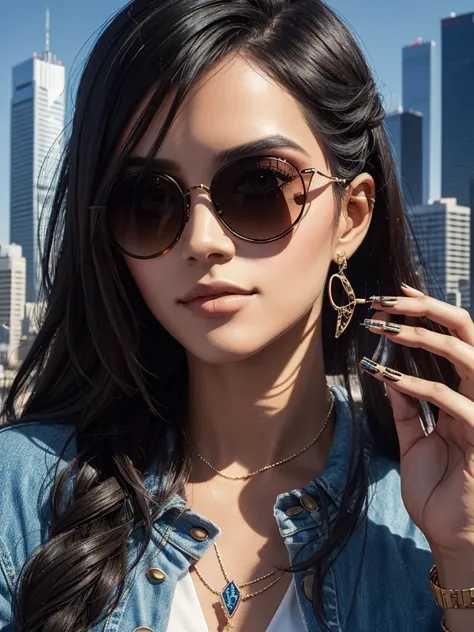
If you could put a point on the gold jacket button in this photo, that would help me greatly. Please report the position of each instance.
(294, 511)
(199, 534)
(308, 503)
(156, 575)
(143, 628)
(308, 586)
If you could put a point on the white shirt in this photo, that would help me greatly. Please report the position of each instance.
(187, 615)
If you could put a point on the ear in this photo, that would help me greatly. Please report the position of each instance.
(356, 215)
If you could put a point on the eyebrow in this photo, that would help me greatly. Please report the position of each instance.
(254, 147)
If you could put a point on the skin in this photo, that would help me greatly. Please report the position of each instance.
(257, 383)
(437, 470)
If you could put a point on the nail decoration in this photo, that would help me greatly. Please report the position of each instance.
(369, 366)
(391, 328)
(374, 324)
(392, 375)
(373, 368)
(385, 301)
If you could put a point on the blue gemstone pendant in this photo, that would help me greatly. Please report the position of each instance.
(230, 599)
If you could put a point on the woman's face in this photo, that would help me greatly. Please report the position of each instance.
(283, 280)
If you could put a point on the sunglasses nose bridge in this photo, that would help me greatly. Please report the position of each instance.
(195, 187)
(187, 197)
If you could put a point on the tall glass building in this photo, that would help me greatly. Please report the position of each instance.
(37, 123)
(458, 106)
(419, 94)
(442, 231)
(12, 302)
(405, 132)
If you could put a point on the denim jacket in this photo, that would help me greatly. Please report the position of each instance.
(379, 583)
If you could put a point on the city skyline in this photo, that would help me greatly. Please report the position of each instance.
(25, 34)
(420, 89)
(12, 301)
(415, 126)
(37, 124)
(442, 231)
(405, 132)
(457, 122)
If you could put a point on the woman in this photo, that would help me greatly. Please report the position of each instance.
(180, 463)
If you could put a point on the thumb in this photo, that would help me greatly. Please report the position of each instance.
(407, 419)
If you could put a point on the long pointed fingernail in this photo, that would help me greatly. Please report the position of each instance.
(390, 328)
(391, 374)
(412, 289)
(369, 366)
(375, 369)
(385, 301)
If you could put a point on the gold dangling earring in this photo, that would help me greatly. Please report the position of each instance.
(344, 312)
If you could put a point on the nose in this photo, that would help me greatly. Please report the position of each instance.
(204, 236)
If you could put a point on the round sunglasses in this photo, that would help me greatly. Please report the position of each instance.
(258, 199)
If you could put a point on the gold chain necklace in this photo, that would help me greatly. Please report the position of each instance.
(267, 467)
(231, 595)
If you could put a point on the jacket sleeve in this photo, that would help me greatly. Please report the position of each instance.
(29, 454)
(6, 592)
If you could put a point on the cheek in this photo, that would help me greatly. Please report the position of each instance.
(299, 269)
(156, 283)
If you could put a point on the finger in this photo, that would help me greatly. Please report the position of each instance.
(452, 402)
(462, 362)
(459, 353)
(405, 410)
(409, 424)
(411, 291)
(456, 319)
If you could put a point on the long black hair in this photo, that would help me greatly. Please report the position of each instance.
(91, 366)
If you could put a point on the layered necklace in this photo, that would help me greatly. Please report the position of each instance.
(231, 596)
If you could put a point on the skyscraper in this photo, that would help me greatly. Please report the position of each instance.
(458, 106)
(12, 301)
(442, 231)
(419, 95)
(405, 131)
(37, 122)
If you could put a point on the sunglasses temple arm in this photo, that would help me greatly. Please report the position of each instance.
(341, 181)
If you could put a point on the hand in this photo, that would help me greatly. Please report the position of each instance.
(437, 470)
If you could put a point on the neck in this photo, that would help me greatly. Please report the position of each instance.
(248, 414)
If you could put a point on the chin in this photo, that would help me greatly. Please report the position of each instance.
(223, 349)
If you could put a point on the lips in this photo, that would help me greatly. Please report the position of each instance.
(214, 290)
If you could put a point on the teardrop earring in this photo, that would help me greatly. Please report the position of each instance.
(344, 312)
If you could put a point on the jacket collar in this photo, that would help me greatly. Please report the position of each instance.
(347, 428)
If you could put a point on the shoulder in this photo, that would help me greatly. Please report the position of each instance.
(34, 435)
(29, 449)
(31, 454)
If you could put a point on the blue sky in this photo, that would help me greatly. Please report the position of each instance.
(383, 26)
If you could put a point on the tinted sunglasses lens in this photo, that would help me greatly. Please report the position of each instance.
(259, 198)
(146, 214)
